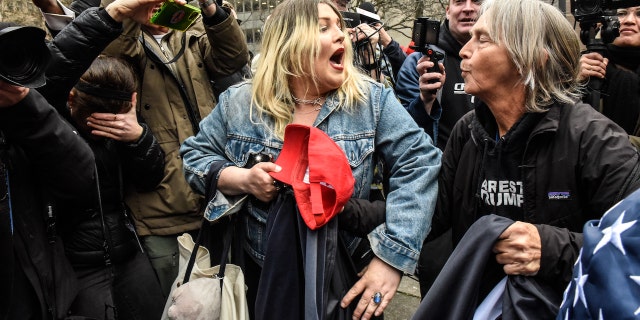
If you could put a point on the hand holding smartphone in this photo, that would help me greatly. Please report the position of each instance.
(175, 16)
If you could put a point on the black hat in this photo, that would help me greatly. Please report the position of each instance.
(24, 56)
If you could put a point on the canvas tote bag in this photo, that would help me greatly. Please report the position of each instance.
(204, 292)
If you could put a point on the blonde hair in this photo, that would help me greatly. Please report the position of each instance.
(290, 45)
(543, 46)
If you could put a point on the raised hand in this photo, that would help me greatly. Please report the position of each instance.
(121, 9)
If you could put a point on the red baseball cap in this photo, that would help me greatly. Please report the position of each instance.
(317, 170)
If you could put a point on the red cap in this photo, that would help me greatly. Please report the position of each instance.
(323, 190)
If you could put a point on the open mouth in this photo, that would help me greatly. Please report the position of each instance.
(336, 58)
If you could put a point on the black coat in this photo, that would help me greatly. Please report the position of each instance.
(46, 162)
(120, 166)
(49, 164)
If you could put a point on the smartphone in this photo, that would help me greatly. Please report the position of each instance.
(175, 16)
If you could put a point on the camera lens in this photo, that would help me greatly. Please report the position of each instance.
(24, 57)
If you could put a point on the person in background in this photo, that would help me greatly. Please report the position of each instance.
(45, 163)
(416, 90)
(305, 75)
(181, 75)
(620, 100)
(41, 159)
(531, 152)
(413, 87)
(115, 276)
(177, 89)
(376, 52)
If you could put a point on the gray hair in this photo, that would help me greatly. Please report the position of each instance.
(543, 46)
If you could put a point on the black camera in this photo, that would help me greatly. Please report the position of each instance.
(351, 19)
(596, 16)
(594, 9)
(424, 35)
(24, 56)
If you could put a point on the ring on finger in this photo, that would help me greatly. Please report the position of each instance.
(377, 298)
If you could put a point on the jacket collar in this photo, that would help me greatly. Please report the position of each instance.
(485, 122)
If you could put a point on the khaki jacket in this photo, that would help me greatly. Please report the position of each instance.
(172, 99)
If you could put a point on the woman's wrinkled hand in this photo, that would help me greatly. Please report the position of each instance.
(518, 249)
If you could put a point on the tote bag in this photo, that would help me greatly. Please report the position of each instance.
(204, 296)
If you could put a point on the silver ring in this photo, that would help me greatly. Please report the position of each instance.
(377, 298)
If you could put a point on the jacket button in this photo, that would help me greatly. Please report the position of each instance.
(199, 64)
(152, 67)
(147, 106)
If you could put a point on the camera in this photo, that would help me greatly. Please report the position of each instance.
(175, 16)
(365, 13)
(596, 16)
(424, 35)
(351, 19)
(594, 9)
(24, 56)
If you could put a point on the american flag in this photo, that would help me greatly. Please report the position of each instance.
(606, 277)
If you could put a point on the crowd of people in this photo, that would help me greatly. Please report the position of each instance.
(476, 172)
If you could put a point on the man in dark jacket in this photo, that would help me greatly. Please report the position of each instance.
(43, 162)
(180, 74)
(42, 159)
(454, 33)
(416, 95)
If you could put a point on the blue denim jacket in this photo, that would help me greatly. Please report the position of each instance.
(231, 133)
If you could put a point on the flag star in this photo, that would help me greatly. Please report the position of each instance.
(636, 279)
(580, 281)
(612, 234)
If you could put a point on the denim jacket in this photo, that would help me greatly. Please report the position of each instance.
(380, 126)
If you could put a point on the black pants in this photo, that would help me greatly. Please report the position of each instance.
(125, 290)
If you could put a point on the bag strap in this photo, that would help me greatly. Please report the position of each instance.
(211, 185)
(204, 230)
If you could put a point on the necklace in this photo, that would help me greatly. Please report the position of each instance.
(315, 102)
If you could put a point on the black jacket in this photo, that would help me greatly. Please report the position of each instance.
(573, 151)
(139, 164)
(73, 50)
(119, 166)
(50, 165)
(46, 162)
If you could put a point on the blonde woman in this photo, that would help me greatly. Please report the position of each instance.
(305, 75)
